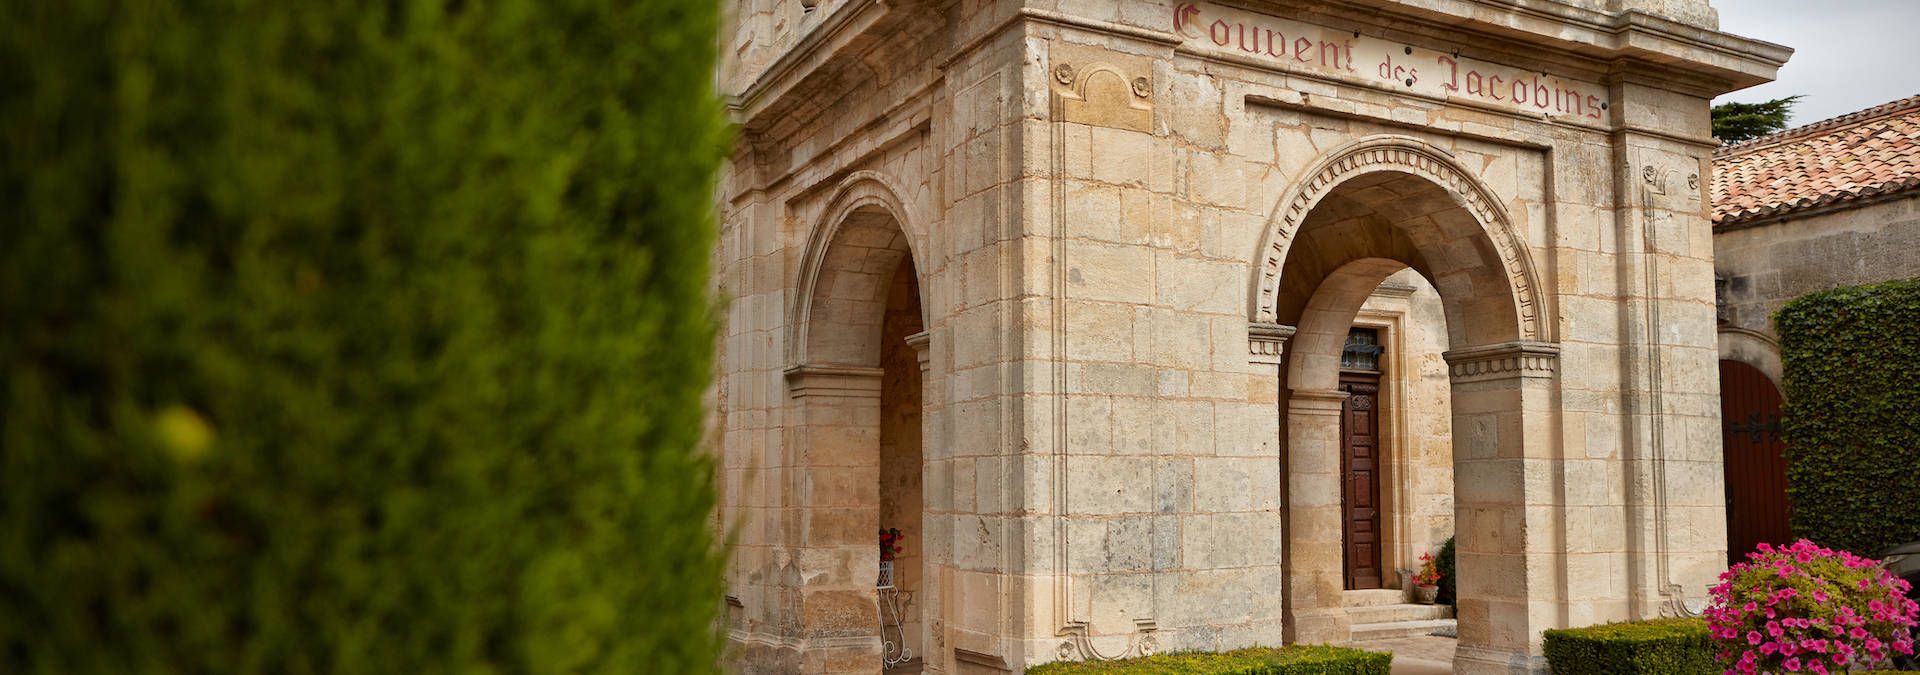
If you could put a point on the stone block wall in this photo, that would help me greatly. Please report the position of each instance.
(1762, 267)
(1096, 206)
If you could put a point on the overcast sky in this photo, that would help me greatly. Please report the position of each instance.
(1847, 54)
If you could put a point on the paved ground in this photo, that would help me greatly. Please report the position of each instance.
(1424, 655)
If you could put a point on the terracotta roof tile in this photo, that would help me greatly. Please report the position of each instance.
(1858, 155)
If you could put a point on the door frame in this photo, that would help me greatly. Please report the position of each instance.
(1378, 381)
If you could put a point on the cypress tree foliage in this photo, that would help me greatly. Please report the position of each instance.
(1734, 122)
(361, 337)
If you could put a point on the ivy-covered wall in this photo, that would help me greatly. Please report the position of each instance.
(362, 337)
(1852, 417)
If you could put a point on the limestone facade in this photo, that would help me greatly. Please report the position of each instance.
(1763, 266)
(1122, 244)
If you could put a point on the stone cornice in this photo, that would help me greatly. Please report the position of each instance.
(1267, 342)
(849, 381)
(1505, 360)
(834, 34)
(920, 342)
(1737, 62)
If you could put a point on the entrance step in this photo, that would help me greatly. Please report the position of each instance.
(1398, 613)
(1398, 629)
(1373, 597)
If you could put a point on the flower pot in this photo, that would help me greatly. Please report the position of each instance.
(1425, 594)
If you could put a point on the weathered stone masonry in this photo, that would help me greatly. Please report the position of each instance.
(1136, 252)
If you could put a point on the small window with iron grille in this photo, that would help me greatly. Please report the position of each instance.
(1362, 351)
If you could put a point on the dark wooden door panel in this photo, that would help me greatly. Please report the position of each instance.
(1360, 470)
(1756, 465)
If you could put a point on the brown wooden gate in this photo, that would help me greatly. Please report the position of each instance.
(1756, 465)
(1360, 465)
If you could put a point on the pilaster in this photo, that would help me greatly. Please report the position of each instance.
(1314, 556)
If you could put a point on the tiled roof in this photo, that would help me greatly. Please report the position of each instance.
(1870, 153)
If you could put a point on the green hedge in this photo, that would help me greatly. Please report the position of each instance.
(361, 337)
(1852, 416)
(1294, 660)
(1447, 564)
(1655, 647)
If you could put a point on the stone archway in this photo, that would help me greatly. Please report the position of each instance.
(1409, 156)
(1752, 348)
(857, 344)
(1378, 206)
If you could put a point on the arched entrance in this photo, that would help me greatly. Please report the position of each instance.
(857, 391)
(1367, 212)
(1756, 469)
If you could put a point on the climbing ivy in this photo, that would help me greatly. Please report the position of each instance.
(1852, 416)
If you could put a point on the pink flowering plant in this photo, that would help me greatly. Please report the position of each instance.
(1429, 574)
(1806, 609)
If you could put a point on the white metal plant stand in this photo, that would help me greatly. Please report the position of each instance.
(893, 601)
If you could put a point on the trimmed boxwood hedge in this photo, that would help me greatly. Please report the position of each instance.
(1852, 415)
(1292, 660)
(363, 337)
(1654, 647)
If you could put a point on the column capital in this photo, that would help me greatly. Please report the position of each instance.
(1519, 358)
(922, 343)
(1267, 342)
(1315, 401)
(821, 380)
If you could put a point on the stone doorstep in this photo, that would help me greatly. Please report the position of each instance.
(1398, 613)
(1382, 631)
(1373, 597)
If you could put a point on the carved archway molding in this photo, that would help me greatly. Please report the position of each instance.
(859, 190)
(1402, 154)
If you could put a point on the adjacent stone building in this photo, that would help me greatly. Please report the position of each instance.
(1067, 293)
(1830, 204)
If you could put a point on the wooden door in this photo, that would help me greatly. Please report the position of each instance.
(1756, 462)
(1360, 467)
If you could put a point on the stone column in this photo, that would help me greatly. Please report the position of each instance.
(1314, 612)
(836, 441)
(1508, 512)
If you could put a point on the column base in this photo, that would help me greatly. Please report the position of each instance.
(1490, 661)
(1319, 626)
(842, 655)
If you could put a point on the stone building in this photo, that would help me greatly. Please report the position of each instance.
(1830, 204)
(1062, 290)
